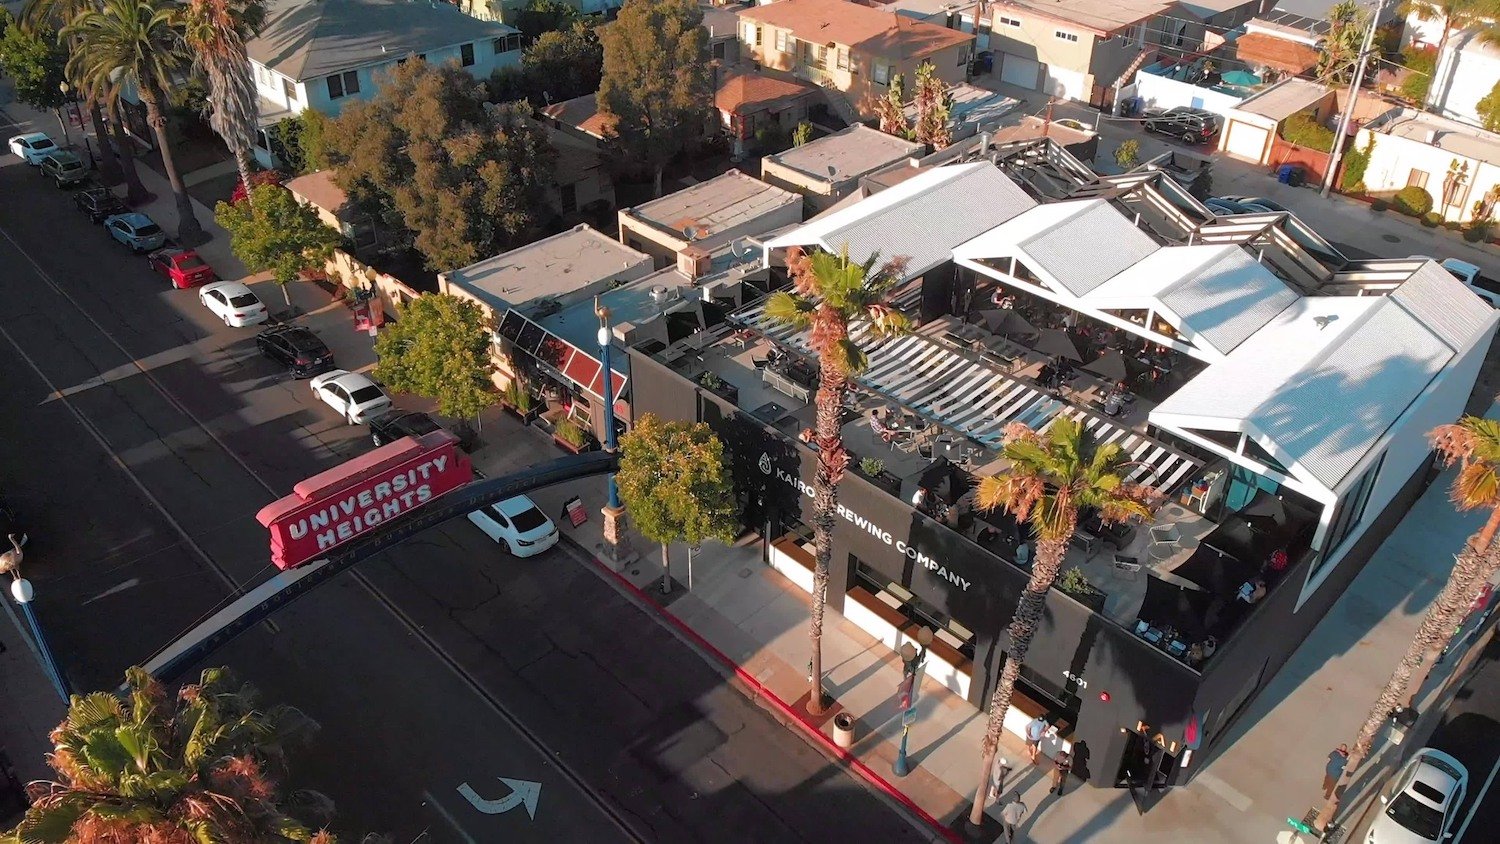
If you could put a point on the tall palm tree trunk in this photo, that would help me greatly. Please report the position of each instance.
(1049, 559)
(135, 192)
(189, 232)
(109, 162)
(1477, 563)
(832, 460)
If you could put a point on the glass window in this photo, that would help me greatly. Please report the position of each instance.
(783, 43)
(244, 300)
(882, 73)
(289, 88)
(466, 55)
(1417, 179)
(370, 393)
(1065, 36)
(1004, 21)
(335, 87)
(843, 59)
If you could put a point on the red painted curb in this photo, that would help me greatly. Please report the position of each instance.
(800, 718)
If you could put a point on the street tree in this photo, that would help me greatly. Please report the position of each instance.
(1488, 108)
(830, 295)
(1340, 51)
(1128, 153)
(273, 231)
(933, 104)
(34, 62)
(540, 17)
(465, 178)
(1053, 477)
(439, 348)
(657, 87)
(202, 765)
(137, 44)
(1473, 444)
(215, 32)
(676, 485)
(1455, 16)
(564, 63)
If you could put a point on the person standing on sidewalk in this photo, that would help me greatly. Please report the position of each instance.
(1336, 762)
(1035, 730)
(1062, 765)
(1011, 815)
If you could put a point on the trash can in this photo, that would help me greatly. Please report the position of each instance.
(843, 730)
(1289, 174)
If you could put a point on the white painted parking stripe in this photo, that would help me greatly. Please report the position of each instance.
(1478, 799)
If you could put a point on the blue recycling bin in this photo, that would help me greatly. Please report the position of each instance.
(1289, 174)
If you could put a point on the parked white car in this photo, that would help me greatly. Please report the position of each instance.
(33, 148)
(353, 395)
(518, 525)
(1421, 805)
(234, 303)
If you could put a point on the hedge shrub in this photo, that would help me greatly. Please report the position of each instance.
(1379, 205)
(1432, 219)
(1304, 130)
(1412, 201)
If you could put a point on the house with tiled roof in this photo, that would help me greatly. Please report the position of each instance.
(852, 49)
(749, 102)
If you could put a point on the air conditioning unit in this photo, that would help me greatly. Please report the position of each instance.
(662, 295)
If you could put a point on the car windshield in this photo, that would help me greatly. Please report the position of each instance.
(528, 519)
(364, 394)
(1415, 816)
(244, 300)
(193, 262)
(148, 230)
(42, 143)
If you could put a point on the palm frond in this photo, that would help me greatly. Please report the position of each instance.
(789, 309)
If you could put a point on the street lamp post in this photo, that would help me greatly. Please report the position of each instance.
(78, 114)
(616, 533)
(22, 591)
(913, 661)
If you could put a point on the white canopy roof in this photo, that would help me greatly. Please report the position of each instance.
(1073, 246)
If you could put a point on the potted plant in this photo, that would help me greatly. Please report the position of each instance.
(519, 401)
(570, 436)
(1074, 583)
(871, 466)
(718, 386)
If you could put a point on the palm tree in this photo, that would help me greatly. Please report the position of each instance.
(1053, 476)
(1474, 444)
(49, 15)
(137, 43)
(1455, 15)
(151, 767)
(216, 32)
(832, 294)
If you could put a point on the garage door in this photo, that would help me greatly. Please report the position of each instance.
(1022, 72)
(1066, 84)
(1246, 141)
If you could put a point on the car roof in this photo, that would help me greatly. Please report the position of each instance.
(1458, 265)
(516, 505)
(31, 136)
(352, 381)
(228, 288)
(134, 219)
(68, 157)
(416, 421)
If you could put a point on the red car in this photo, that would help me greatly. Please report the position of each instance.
(182, 267)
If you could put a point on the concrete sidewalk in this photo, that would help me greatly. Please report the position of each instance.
(1271, 770)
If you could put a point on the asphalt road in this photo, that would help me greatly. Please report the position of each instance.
(443, 667)
(1470, 731)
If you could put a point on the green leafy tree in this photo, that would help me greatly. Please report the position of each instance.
(1473, 444)
(543, 16)
(136, 43)
(1454, 16)
(1128, 153)
(1489, 109)
(656, 83)
(273, 231)
(465, 178)
(1341, 46)
(440, 349)
(215, 32)
(676, 485)
(830, 294)
(802, 134)
(1054, 476)
(565, 63)
(203, 765)
(34, 63)
(298, 142)
(933, 105)
(1420, 64)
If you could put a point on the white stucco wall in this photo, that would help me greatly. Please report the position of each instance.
(1394, 158)
(1161, 92)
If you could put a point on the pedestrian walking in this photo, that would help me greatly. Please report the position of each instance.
(1337, 759)
(1034, 733)
(1011, 815)
(1062, 765)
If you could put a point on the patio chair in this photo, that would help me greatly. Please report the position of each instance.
(1127, 566)
(1165, 533)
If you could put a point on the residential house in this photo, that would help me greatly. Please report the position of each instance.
(970, 108)
(722, 21)
(1457, 164)
(1466, 72)
(579, 117)
(852, 49)
(582, 187)
(1252, 335)
(686, 228)
(322, 54)
(829, 168)
(749, 102)
(1287, 38)
(1251, 128)
(1083, 50)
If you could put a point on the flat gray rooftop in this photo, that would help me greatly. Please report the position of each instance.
(553, 267)
(714, 206)
(848, 154)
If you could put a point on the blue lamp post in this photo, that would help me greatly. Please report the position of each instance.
(913, 661)
(616, 539)
(22, 591)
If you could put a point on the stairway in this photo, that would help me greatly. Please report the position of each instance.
(839, 104)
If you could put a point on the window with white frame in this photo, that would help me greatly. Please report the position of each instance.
(752, 35)
(507, 44)
(343, 85)
(289, 88)
(843, 59)
(1004, 21)
(785, 43)
(1065, 36)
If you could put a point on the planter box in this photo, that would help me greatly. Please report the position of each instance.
(572, 449)
(1093, 600)
(526, 417)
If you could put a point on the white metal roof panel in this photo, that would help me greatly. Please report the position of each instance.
(1444, 304)
(1228, 300)
(1089, 247)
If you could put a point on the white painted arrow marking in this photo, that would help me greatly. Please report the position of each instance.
(116, 589)
(522, 792)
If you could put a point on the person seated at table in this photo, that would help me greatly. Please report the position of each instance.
(987, 536)
(1195, 654)
(805, 435)
(1045, 375)
(1278, 560)
(1251, 591)
(879, 426)
(920, 498)
(1208, 646)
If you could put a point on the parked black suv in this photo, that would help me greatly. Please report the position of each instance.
(1192, 125)
(98, 203)
(394, 426)
(296, 348)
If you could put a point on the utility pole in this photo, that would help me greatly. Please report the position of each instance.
(1047, 125)
(1337, 154)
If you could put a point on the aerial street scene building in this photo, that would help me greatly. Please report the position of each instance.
(662, 420)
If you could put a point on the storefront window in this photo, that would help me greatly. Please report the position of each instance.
(947, 630)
